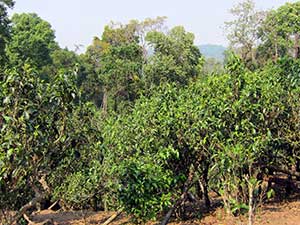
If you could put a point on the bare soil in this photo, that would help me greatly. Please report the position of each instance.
(274, 213)
(283, 209)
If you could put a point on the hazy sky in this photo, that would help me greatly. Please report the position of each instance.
(78, 21)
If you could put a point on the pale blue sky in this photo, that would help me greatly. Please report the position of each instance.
(78, 21)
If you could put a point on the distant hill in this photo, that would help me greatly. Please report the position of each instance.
(213, 51)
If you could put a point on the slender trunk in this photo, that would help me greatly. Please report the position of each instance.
(289, 186)
(204, 186)
(296, 47)
(105, 206)
(205, 194)
(251, 204)
(199, 189)
(298, 168)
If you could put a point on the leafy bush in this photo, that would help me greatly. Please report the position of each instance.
(46, 135)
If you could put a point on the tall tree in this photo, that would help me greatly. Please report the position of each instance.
(175, 58)
(62, 61)
(4, 27)
(280, 31)
(121, 64)
(33, 41)
(242, 31)
(90, 82)
(142, 28)
(117, 60)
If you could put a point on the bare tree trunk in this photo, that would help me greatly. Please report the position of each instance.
(46, 222)
(296, 47)
(251, 206)
(204, 185)
(298, 168)
(191, 197)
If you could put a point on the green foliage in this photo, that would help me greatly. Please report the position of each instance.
(89, 79)
(63, 61)
(32, 41)
(4, 29)
(143, 189)
(116, 60)
(28, 136)
(288, 73)
(279, 33)
(81, 187)
(175, 58)
(121, 65)
(227, 123)
(77, 176)
(151, 161)
(168, 128)
(45, 132)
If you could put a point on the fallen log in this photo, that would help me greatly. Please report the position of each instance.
(51, 206)
(112, 218)
(30, 222)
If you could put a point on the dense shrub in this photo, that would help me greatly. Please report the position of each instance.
(47, 136)
(222, 128)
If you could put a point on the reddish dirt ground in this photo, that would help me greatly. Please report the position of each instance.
(283, 213)
(281, 210)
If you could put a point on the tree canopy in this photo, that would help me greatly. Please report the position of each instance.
(32, 41)
(4, 28)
